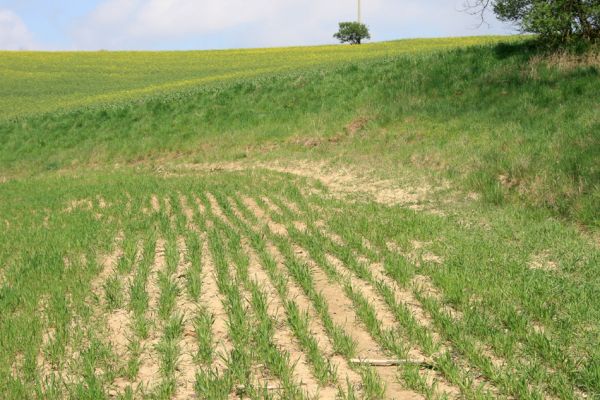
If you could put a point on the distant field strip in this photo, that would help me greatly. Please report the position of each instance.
(218, 288)
(38, 82)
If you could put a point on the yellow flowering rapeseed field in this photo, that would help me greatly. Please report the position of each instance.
(39, 82)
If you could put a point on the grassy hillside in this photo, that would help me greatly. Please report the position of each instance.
(40, 82)
(258, 223)
(488, 118)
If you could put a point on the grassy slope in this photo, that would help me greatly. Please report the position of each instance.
(44, 82)
(484, 117)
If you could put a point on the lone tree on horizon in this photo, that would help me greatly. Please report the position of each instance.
(352, 32)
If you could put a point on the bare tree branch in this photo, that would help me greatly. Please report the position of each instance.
(477, 8)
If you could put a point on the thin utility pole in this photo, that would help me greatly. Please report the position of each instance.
(359, 13)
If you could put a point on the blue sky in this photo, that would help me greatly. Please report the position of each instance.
(215, 24)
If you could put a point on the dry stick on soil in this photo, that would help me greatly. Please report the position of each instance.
(343, 315)
(390, 362)
(344, 372)
(149, 372)
(186, 368)
(388, 322)
(407, 298)
(342, 311)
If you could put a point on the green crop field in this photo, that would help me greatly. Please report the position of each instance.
(41, 82)
(412, 219)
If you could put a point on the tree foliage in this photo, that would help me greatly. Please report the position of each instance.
(352, 32)
(555, 21)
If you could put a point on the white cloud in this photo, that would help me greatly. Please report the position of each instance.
(14, 34)
(140, 24)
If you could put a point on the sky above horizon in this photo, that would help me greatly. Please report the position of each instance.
(204, 24)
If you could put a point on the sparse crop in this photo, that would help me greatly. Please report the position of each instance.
(170, 277)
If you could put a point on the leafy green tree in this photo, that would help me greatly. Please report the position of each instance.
(555, 21)
(352, 32)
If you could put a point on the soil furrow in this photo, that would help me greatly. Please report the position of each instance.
(344, 372)
(186, 368)
(342, 312)
(212, 299)
(284, 337)
(388, 321)
(274, 227)
(188, 212)
(345, 375)
(217, 211)
(386, 318)
(201, 208)
(273, 208)
(148, 373)
(169, 212)
(292, 206)
(108, 264)
(407, 298)
(404, 297)
(155, 203)
(119, 325)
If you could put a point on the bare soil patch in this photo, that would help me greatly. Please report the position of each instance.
(418, 253)
(155, 203)
(542, 261)
(340, 181)
(81, 204)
